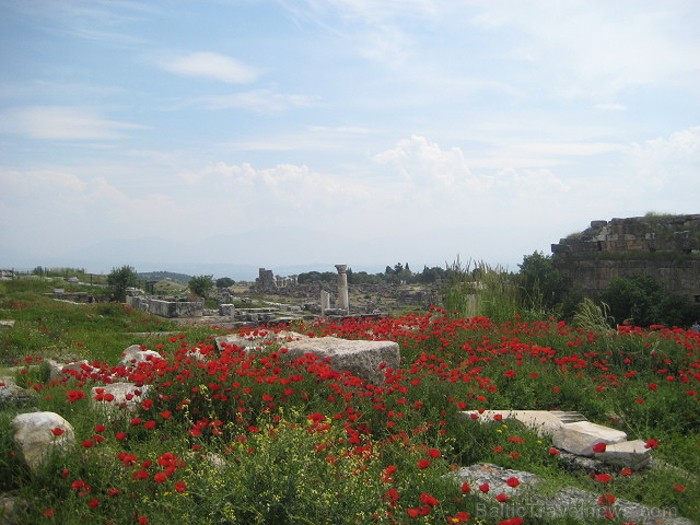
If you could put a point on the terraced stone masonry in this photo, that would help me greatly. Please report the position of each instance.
(666, 248)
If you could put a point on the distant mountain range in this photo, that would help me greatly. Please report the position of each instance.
(163, 275)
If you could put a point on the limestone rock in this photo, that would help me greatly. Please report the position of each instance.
(573, 502)
(7, 323)
(58, 371)
(632, 454)
(12, 395)
(12, 509)
(365, 359)
(579, 438)
(35, 433)
(496, 477)
(118, 395)
(134, 355)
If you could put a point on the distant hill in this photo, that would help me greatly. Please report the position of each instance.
(160, 276)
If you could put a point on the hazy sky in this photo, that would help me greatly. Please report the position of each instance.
(169, 133)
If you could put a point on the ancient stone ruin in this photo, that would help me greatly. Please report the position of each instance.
(665, 247)
(163, 308)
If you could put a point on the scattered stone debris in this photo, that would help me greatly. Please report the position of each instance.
(577, 438)
(524, 500)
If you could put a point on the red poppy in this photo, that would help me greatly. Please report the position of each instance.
(651, 443)
(57, 431)
(180, 486)
(466, 488)
(513, 482)
(429, 499)
(484, 487)
(602, 478)
(460, 517)
(606, 499)
(75, 395)
(502, 498)
(386, 476)
(423, 463)
(434, 453)
(511, 521)
(599, 448)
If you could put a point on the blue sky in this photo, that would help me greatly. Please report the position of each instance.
(177, 134)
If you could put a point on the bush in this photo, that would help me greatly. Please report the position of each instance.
(201, 285)
(642, 301)
(119, 279)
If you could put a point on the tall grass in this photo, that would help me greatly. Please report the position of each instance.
(481, 289)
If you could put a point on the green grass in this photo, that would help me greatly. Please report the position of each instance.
(52, 329)
(253, 439)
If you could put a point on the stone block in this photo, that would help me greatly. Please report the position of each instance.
(366, 359)
(579, 438)
(227, 310)
(35, 434)
(262, 340)
(631, 454)
(544, 422)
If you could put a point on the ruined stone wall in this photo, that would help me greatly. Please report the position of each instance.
(666, 248)
(168, 309)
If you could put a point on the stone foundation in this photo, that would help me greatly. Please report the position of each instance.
(168, 309)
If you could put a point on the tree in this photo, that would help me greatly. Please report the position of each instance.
(430, 275)
(224, 282)
(201, 285)
(541, 284)
(119, 279)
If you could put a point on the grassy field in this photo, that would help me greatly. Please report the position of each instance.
(249, 437)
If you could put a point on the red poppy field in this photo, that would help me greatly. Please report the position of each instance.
(242, 437)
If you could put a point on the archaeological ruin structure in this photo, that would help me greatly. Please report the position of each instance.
(665, 247)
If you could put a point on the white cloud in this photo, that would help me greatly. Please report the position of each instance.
(421, 162)
(296, 185)
(61, 123)
(671, 163)
(597, 49)
(211, 65)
